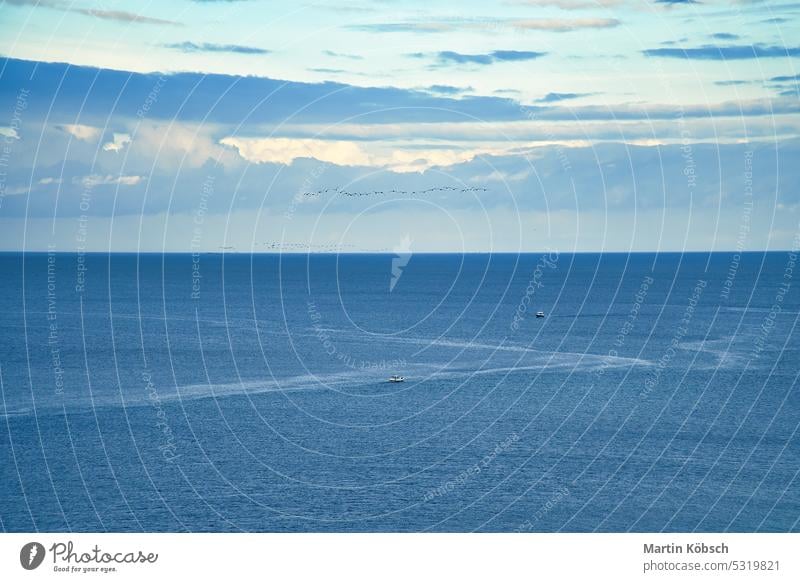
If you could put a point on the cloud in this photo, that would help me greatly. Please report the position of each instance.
(178, 144)
(124, 16)
(342, 55)
(788, 88)
(562, 25)
(93, 180)
(221, 101)
(725, 53)
(62, 92)
(117, 15)
(677, 2)
(610, 177)
(448, 89)
(490, 25)
(725, 36)
(25, 189)
(555, 97)
(572, 4)
(454, 57)
(487, 59)
(286, 150)
(785, 78)
(500, 176)
(207, 47)
(537, 133)
(30, 3)
(384, 27)
(327, 70)
(629, 111)
(732, 82)
(118, 143)
(9, 132)
(389, 155)
(517, 55)
(82, 132)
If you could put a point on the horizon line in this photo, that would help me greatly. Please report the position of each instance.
(392, 253)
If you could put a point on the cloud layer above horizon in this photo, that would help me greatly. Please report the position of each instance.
(630, 138)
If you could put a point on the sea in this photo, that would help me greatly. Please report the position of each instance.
(249, 392)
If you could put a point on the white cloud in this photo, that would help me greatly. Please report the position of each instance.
(180, 145)
(533, 133)
(9, 132)
(16, 191)
(83, 132)
(563, 25)
(19, 190)
(284, 150)
(118, 144)
(572, 4)
(93, 180)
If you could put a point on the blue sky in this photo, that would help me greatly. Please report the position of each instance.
(587, 124)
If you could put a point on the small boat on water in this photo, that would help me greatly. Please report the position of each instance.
(395, 379)
(540, 314)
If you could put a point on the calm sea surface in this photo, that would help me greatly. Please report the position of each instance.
(238, 392)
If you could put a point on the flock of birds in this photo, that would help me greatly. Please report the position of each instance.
(287, 246)
(342, 192)
(309, 247)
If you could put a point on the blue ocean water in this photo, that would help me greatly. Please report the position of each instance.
(236, 392)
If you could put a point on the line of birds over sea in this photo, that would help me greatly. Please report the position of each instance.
(311, 247)
(342, 192)
(293, 246)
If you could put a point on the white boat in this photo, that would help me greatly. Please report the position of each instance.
(540, 314)
(396, 379)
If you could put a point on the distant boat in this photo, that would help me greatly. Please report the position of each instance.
(396, 379)
(540, 314)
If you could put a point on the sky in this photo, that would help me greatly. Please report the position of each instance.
(368, 126)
